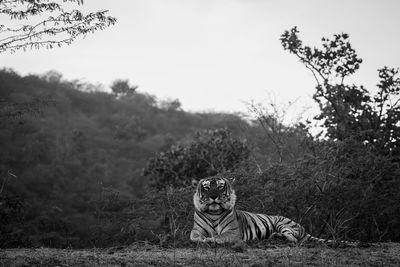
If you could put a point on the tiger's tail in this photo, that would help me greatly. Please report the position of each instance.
(330, 242)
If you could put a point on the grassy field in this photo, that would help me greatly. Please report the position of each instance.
(383, 254)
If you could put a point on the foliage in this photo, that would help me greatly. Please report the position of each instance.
(279, 141)
(171, 105)
(122, 87)
(211, 152)
(333, 193)
(164, 216)
(60, 27)
(349, 110)
(10, 210)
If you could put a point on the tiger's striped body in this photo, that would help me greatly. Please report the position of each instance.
(217, 220)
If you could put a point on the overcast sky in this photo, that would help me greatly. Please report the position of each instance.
(215, 54)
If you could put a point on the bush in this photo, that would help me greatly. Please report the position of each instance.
(210, 152)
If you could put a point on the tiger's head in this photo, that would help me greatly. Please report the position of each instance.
(214, 195)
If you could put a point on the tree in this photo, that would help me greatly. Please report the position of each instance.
(170, 104)
(348, 110)
(59, 27)
(359, 158)
(122, 87)
(283, 142)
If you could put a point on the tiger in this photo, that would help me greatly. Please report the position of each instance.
(216, 220)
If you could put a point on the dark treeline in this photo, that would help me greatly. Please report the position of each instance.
(84, 168)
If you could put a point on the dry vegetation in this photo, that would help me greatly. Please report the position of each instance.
(141, 254)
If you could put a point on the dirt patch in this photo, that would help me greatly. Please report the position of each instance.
(385, 254)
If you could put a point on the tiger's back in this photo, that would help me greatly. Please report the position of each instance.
(257, 226)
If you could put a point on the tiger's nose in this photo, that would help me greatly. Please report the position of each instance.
(213, 196)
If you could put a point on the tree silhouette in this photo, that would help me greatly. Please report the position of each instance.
(46, 24)
(122, 87)
(348, 110)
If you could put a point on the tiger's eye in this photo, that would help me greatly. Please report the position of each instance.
(206, 185)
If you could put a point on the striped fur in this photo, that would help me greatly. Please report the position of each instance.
(217, 220)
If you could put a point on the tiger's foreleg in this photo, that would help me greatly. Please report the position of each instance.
(197, 236)
(226, 237)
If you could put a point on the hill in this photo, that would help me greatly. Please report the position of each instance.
(67, 147)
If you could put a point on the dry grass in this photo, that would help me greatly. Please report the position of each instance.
(384, 254)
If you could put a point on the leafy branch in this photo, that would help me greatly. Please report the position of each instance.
(349, 110)
(60, 27)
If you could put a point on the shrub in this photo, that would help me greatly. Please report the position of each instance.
(210, 152)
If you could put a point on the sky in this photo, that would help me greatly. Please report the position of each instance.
(215, 55)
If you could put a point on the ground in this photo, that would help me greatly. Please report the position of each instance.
(142, 254)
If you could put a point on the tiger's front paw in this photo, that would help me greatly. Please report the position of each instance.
(278, 236)
(209, 240)
(198, 239)
(214, 240)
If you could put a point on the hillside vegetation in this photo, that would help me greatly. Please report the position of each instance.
(68, 150)
(83, 168)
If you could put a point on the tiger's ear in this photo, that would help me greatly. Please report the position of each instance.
(231, 180)
(194, 183)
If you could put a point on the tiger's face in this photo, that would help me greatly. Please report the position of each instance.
(214, 195)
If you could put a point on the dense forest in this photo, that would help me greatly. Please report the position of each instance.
(81, 167)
